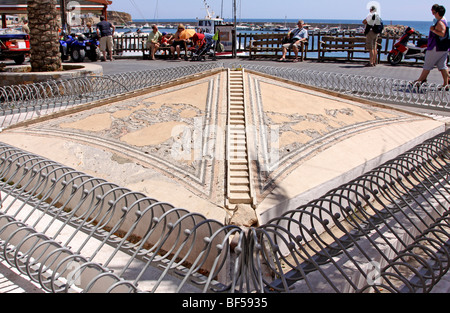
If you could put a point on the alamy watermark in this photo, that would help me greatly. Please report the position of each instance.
(373, 271)
(375, 4)
(198, 142)
(73, 9)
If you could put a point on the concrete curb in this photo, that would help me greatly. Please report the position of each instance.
(72, 70)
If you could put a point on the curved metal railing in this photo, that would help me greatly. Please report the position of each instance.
(22, 102)
(385, 231)
(393, 219)
(374, 88)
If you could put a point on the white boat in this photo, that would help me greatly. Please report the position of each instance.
(209, 23)
(360, 30)
(244, 26)
(334, 30)
(281, 29)
(313, 30)
(268, 27)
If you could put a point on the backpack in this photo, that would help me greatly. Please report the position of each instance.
(443, 43)
(378, 29)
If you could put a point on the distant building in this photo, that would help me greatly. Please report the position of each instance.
(14, 7)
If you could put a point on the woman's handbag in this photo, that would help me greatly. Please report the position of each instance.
(443, 43)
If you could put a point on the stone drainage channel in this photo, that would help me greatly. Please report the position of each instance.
(239, 177)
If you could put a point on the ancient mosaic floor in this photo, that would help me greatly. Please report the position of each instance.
(170, 144)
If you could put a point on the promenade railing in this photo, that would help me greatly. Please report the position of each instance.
(24, 102)
(133, 43)
(389, 90)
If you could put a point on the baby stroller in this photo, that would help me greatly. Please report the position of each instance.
(203, 43)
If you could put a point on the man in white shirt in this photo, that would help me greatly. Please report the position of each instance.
(297, 36)
(371, 36)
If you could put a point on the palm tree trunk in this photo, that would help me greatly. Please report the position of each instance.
(44, 37)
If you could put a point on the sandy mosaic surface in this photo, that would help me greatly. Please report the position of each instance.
(170, 143)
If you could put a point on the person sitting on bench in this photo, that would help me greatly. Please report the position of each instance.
(295, 39)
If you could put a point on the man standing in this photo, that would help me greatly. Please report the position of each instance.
(105, 31)
(372, 20)
(296, 37)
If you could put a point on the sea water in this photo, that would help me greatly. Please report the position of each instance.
(422, 27)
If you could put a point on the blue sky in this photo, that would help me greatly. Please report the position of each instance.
(413, 10)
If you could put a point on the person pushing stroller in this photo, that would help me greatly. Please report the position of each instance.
(201, 45)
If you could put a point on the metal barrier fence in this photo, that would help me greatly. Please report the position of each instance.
(22, 102)
(374, 88)
(385, 231)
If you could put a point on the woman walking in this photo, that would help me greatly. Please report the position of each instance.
(437, 49)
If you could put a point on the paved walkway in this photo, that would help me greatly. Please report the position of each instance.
(406, 71)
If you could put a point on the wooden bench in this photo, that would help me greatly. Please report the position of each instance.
(146, 51)
(350, 45)
(268, 45)
(165, 49)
